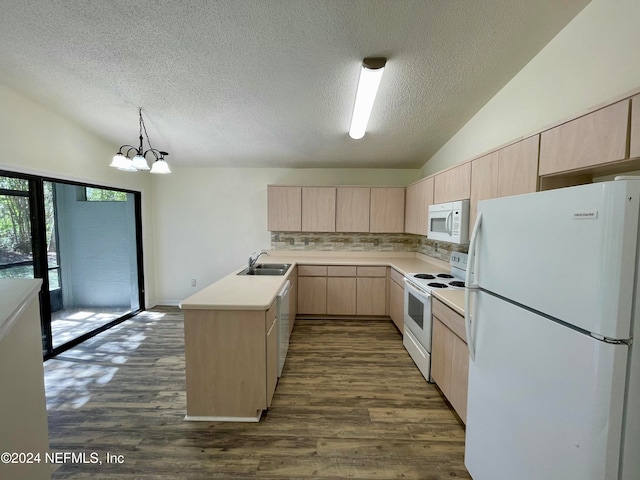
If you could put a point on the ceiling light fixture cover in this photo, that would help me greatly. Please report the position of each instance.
(370, 76)
(121, 160)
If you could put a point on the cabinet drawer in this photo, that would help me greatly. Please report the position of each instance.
(341, 271)
(453, 320)
(397, 277)
(312, 270)
(372, 271)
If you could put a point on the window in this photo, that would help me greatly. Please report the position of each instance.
(92, 194)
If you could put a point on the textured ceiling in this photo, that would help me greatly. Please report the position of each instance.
(271, 83)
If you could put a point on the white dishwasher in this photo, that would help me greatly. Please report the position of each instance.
(283, 325)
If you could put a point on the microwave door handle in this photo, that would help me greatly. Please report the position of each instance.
(449, 223)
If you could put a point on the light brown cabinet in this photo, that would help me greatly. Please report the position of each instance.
(312, 295)
(271, 326)
(512, 170)
(418, 198)
(293, 298)
(387, 210)
(450, 356)
(342, 290)
(594, 139)
(635, 127)
(318, 209)
(484, 183)
(284, 208)
(396, 299)
(230, 361)
(371, 291)
(453, 184)
(518, 167)
(352, 209)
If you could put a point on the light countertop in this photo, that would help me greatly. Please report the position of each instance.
(247, 292)
(15, 295)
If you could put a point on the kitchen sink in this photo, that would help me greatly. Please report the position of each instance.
(273, 269)
(272, 266)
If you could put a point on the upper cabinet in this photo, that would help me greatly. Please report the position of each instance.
(352, 209)
(635, 127)
(419, 196)
(518, 167)
(318, 209)
(512, 170)
(284, 209)
(594, 139)
(484, 182)
(387, 210)
(453, 184)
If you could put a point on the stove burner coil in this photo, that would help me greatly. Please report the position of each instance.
(437, 285)
(445, 275)
(456, 283)
(424, 276)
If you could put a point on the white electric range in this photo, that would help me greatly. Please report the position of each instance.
(417, 308)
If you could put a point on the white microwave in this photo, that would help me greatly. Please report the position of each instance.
(449, 222)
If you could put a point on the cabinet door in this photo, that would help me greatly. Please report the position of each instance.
(312, 295)
(518, 167)
(284, 208)
(418, 198)
(635, 127)
(272, 360)
(484, 182)
(441, 348)
(341, 296)
(293, 304)
(459, 376)
(318, 209)
(371, 296)
(396, 305)
(387, 210)
(594, 139)
(352, 209)
(453, 184)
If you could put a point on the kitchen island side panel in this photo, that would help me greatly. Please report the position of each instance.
(225, 354)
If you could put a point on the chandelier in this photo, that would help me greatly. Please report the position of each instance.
(122, 161)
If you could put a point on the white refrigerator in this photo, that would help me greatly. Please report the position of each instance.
(554, 377)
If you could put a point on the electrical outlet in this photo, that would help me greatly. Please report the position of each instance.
(435, 246)
(193, 282)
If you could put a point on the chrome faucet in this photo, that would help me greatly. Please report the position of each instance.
(253, 258)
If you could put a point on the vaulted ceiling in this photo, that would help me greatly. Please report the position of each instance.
(271, 83)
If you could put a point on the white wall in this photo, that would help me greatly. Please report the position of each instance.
(593, 59)
(36, 140)
(208, 220)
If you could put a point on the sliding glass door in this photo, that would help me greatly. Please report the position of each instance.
(84, 242)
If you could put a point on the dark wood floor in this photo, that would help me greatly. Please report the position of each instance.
(350, 404)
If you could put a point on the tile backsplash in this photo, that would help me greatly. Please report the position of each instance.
(363, 242)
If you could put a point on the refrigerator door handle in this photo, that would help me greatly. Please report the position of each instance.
(470, 311)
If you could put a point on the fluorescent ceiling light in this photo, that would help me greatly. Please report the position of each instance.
(370, 76)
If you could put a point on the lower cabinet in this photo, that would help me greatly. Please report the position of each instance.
(271, 324)
(342, 290)
(396, 299)
(231, 363)
(312, 295)
(341, 295)
(450, 356)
